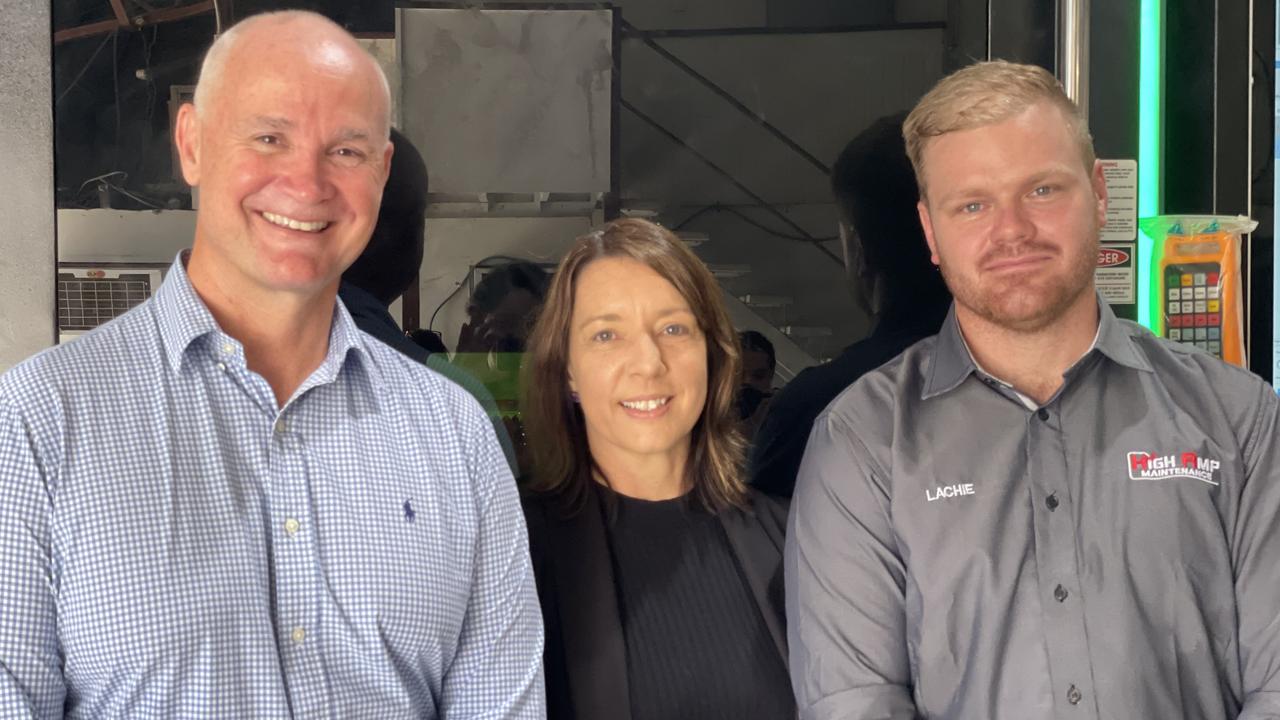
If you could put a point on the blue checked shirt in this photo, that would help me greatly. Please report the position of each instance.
(173, 544)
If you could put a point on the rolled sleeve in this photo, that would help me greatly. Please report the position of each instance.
(497, 670)
(845, 586)
(31, 682)
(1256, 541)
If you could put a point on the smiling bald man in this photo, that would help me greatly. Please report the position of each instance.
(231, 502)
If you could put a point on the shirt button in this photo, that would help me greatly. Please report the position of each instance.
(1073, 695)
(1051, 502)
(280, 425)
(228, 348)
(299, 635)
(1042, 414)
(222, 367)
(1059, 593)
(291, 526)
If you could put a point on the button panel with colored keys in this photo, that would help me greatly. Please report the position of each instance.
(1193, 306)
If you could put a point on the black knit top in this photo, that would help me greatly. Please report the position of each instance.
(697, 647)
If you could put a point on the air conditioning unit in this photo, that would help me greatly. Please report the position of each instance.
(90, 295)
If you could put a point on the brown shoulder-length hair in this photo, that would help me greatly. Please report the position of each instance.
(554, 423)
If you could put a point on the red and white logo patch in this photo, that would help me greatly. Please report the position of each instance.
(1189, 465)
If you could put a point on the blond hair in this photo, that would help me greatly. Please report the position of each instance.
(556, 427)
(983, 94)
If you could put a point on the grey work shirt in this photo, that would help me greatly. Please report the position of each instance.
(1112, 554)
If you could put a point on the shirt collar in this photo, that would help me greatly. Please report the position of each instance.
(1115, 340)
(344, 339)
(183, 319)
(952, 361)
(181, 315)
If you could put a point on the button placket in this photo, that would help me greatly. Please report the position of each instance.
(1056, 538)
(293, 547)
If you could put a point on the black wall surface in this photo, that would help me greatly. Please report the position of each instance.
(109, 119)
(1113, 79)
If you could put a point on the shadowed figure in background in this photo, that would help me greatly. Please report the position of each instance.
(892, 279)
(491, 344)
(429, 340)
(389, 265)
(758, 366)
(502, 309)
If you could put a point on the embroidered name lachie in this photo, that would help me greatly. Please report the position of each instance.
(1189, 465)
(949, 491)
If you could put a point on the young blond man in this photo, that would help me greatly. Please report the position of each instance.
(976, 531)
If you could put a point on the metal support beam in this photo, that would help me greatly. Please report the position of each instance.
(1073, 51)
(83, 31)
(137, 23)
(170, 14)
(723, 94)
(122, 17)
(809, 239)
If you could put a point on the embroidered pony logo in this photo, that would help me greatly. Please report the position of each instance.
(409, 514)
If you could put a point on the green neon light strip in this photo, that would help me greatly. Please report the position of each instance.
(1150, 150)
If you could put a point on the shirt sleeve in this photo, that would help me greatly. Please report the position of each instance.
(845, 586)
(497, 670)
(31, 683)
(1256, 553)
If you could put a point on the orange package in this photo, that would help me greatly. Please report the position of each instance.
(1200, 275)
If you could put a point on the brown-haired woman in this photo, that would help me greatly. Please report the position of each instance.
(660, 573)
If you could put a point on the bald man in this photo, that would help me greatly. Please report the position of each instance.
(231, 502)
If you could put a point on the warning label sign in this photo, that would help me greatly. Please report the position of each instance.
(1122, 200)
(1115, 275)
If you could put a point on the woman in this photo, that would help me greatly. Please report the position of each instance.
(660, 573)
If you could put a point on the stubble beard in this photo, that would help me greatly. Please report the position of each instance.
(1014, 304)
